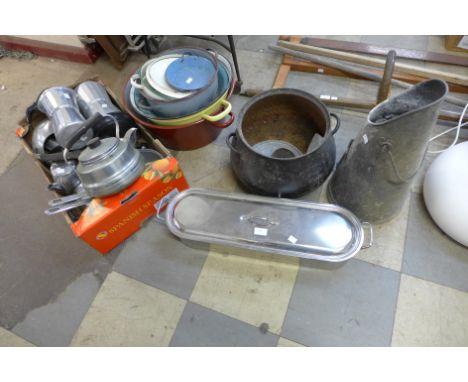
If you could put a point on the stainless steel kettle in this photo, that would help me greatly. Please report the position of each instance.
(107, 166)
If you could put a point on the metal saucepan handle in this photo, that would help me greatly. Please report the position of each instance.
(65, 207)
(223, 125)
(68, 199)
(338, 123)
(30, 110)
(371, 235)
(227, 107)
(90, 123)
(56, 187)
(58, 157)
(230, 144)
(135, 81)
(67, 203)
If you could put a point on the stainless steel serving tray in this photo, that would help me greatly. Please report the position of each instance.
(316, 231)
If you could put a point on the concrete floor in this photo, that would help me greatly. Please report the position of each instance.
(409, 289)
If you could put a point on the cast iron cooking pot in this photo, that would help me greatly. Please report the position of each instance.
(288, 115)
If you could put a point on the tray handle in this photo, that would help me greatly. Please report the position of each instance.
(371, 235)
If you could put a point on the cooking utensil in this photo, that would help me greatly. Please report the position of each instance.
(277, 149)
(43, 139)
(66, 180)
(108, 165)
(190, 104)
(156, 87)
(59, 104)
(289, 115)
(155, 75)
(373, 178)
(184, 136)
(92, 98)
(140, 105)
(67, 203)
(190, 73)
(316, 231)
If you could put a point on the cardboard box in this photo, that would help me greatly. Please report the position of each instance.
(456, 43)
(107, 222)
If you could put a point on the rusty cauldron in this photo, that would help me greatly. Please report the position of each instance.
(293, 117)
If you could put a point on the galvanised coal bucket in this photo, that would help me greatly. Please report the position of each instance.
(374, 176)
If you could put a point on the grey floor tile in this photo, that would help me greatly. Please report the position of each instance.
(430, 254)
(258, 70)
(55, 324)
(203, 163)
(157, 258)
(200, 326)
(352, 305)
(312, 196)
(255, 43)
(363, 90)
(318, 84)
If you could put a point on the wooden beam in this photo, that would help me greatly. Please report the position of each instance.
(358, 59)
(281, 76)
(359, 47)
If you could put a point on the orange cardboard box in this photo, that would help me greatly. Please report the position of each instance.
(107, 222)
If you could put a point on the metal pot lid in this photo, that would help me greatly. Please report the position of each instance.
(98, 149)
(286, 227)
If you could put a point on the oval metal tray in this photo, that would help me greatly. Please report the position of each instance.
(316, 231)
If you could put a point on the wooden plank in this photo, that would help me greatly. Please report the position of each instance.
(358, 59)
(359, 47)
(281, 76)
(451, 43)
(284, 68)
(299, 65)
(347, 102)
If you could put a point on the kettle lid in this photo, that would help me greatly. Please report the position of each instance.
(98, 149)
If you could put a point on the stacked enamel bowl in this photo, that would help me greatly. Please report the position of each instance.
(181, 95)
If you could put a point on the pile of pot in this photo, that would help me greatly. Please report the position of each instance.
(181, 96)
(79, 140)
(283, 144)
